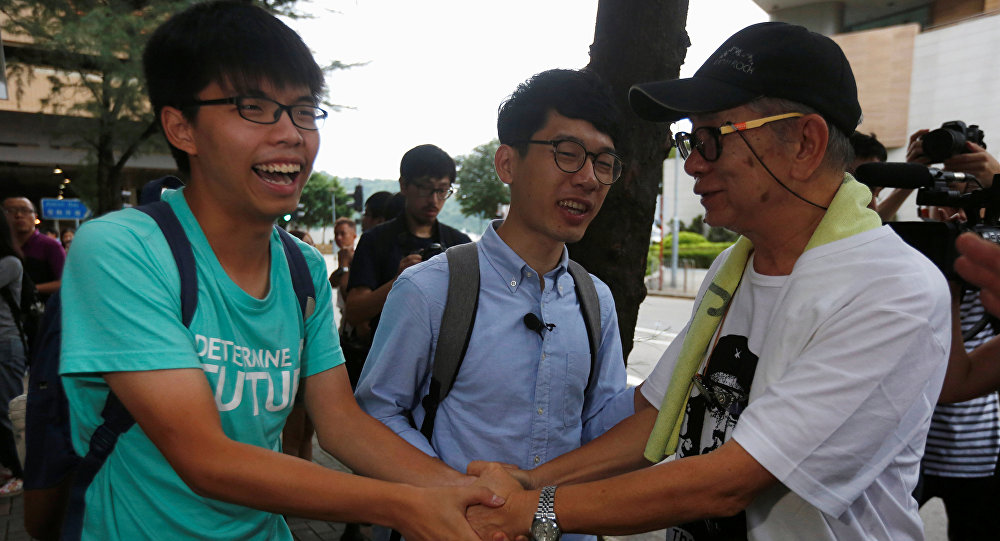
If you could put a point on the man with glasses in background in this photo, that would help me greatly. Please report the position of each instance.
(521, 395)
(426, 175)
(43, 256)
(796, 402)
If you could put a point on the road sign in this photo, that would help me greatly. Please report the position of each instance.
(64, 209)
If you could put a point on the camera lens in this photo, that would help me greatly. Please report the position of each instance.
(942, 143)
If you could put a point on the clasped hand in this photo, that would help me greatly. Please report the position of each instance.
(513, 518)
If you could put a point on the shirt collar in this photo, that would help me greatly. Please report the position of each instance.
(511, 268)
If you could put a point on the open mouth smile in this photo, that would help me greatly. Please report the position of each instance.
(278, 173)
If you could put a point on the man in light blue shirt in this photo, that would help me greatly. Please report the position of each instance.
(521, 395)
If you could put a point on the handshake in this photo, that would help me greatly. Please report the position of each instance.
(493, 498)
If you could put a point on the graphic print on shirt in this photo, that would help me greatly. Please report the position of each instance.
(267, 377)
(717, 401)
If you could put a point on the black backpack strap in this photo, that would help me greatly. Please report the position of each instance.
(305, 289)
(151, 190)
(590, 305)
(117, 421)
(457, 321)
(180, 247)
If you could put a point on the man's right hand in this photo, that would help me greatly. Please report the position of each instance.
(345, 256)
(408, 262)
(915, 151)
(439, 512)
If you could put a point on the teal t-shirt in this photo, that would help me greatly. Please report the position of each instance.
(121, 312)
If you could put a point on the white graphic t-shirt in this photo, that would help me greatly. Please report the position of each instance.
(722, 389)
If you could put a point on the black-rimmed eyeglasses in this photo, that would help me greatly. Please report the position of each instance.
(570, 156)
(707, 140)
(427, 191)
(268, 111)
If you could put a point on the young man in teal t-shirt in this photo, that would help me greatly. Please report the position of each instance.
(210, 400)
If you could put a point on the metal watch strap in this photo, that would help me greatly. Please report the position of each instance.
(547, 503)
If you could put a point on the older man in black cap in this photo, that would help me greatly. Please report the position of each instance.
(795, 404)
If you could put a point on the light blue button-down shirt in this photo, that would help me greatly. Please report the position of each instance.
(518, 397)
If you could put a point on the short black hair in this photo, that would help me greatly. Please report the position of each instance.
(395, 206)
(867, 146)
(230, 43)
(426, 162)
(375, 204)
(577, 94)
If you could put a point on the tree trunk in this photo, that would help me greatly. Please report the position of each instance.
(635, 41)
(109, 181)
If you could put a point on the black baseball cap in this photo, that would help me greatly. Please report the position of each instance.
(772, 59)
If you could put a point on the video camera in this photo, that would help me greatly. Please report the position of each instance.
(934, 239)
(950, 139)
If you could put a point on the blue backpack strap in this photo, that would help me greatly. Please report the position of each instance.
(305, 290)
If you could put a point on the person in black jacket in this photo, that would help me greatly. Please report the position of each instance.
(426, 175)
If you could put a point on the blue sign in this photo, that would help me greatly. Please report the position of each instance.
(64, 209)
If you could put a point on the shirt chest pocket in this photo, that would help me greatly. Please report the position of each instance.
(569, 392)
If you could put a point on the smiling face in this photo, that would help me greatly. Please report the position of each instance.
(547, 204)
(736, 190)
(250, 172)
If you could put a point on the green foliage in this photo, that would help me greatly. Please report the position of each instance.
(480, 191)
(684, 238)
(692, 248)
(713, 234)
(317, 201)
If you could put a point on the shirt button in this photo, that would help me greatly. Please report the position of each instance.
(540, 411)
(543, 356)
(529, 274)
(537, 459)
(513, 283)
(560, 289)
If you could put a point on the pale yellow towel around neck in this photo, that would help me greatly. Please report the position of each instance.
(848, 215)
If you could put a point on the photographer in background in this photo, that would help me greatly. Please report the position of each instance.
(868, 149)
(959, 463)
(426, 175)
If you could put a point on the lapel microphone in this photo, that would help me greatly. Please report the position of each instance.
(532, 322)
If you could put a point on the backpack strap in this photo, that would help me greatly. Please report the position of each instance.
(180, 247)
(457, 321)
(590, 305)
(305, 289)
(117, 421)
(151, 190)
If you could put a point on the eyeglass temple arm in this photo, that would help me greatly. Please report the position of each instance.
(742, 126)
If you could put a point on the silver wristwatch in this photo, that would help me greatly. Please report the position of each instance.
(545, 527)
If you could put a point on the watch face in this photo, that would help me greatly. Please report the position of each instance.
(543, 529)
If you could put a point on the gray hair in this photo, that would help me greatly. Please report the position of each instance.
(839, 152)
